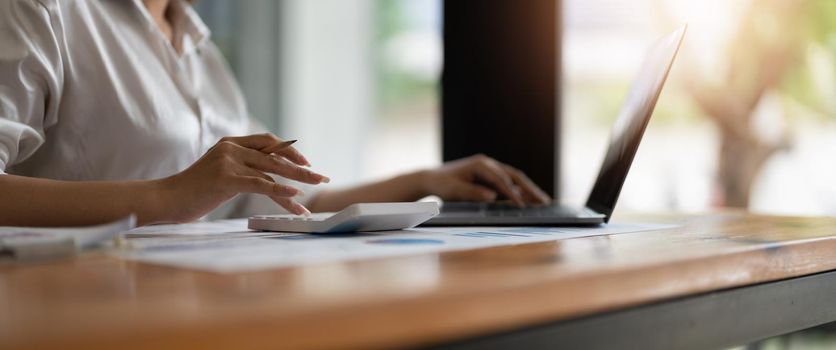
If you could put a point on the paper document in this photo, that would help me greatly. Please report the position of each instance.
(229, 247)
(42, 242)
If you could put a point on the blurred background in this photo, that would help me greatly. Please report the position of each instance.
(747, 119)
(356, 81)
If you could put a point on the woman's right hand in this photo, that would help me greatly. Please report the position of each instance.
(236, 165)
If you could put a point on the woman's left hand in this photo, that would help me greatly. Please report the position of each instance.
(481, 178)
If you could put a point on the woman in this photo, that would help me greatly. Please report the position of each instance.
(112, 107)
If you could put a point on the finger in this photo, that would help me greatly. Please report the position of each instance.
(466, 191)
(292, 206)
(244, 170)
(266, 141)
(499, 180)
(288, 152)
(528, 198)
(528, 187)
(253, 184)
(269, 143)
(292, 154)
(286, 169)
(279, 166)
(247, 171)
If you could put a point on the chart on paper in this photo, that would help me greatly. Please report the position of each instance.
(227, 246)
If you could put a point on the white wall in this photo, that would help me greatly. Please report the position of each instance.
(326, 75)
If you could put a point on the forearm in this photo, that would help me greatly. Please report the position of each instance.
(39, 202)
(404, 188)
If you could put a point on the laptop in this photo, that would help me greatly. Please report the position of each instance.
(625, 137)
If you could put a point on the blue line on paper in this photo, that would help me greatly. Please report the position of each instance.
(405, 241)
(486, 234)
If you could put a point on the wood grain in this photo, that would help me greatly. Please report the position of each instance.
(97, 302)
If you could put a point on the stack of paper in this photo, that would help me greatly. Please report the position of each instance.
(39, 242)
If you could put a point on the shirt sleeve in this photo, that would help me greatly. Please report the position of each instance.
(30, 77)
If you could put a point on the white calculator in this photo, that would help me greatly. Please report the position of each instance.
(356, 217)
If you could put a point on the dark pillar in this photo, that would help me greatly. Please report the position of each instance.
(500, 84)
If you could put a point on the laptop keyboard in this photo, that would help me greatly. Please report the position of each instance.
(505, 209)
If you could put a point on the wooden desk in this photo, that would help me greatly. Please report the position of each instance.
(99, 302)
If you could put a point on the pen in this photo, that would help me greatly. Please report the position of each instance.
(280, 146)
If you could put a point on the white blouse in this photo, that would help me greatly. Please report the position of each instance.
(92, 90)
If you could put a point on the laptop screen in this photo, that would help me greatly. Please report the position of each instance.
(631, 121)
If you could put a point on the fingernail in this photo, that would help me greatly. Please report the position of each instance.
(302, 210)
(325, 179)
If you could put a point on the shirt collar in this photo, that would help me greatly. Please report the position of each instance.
(190, 23)
(185, 22)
